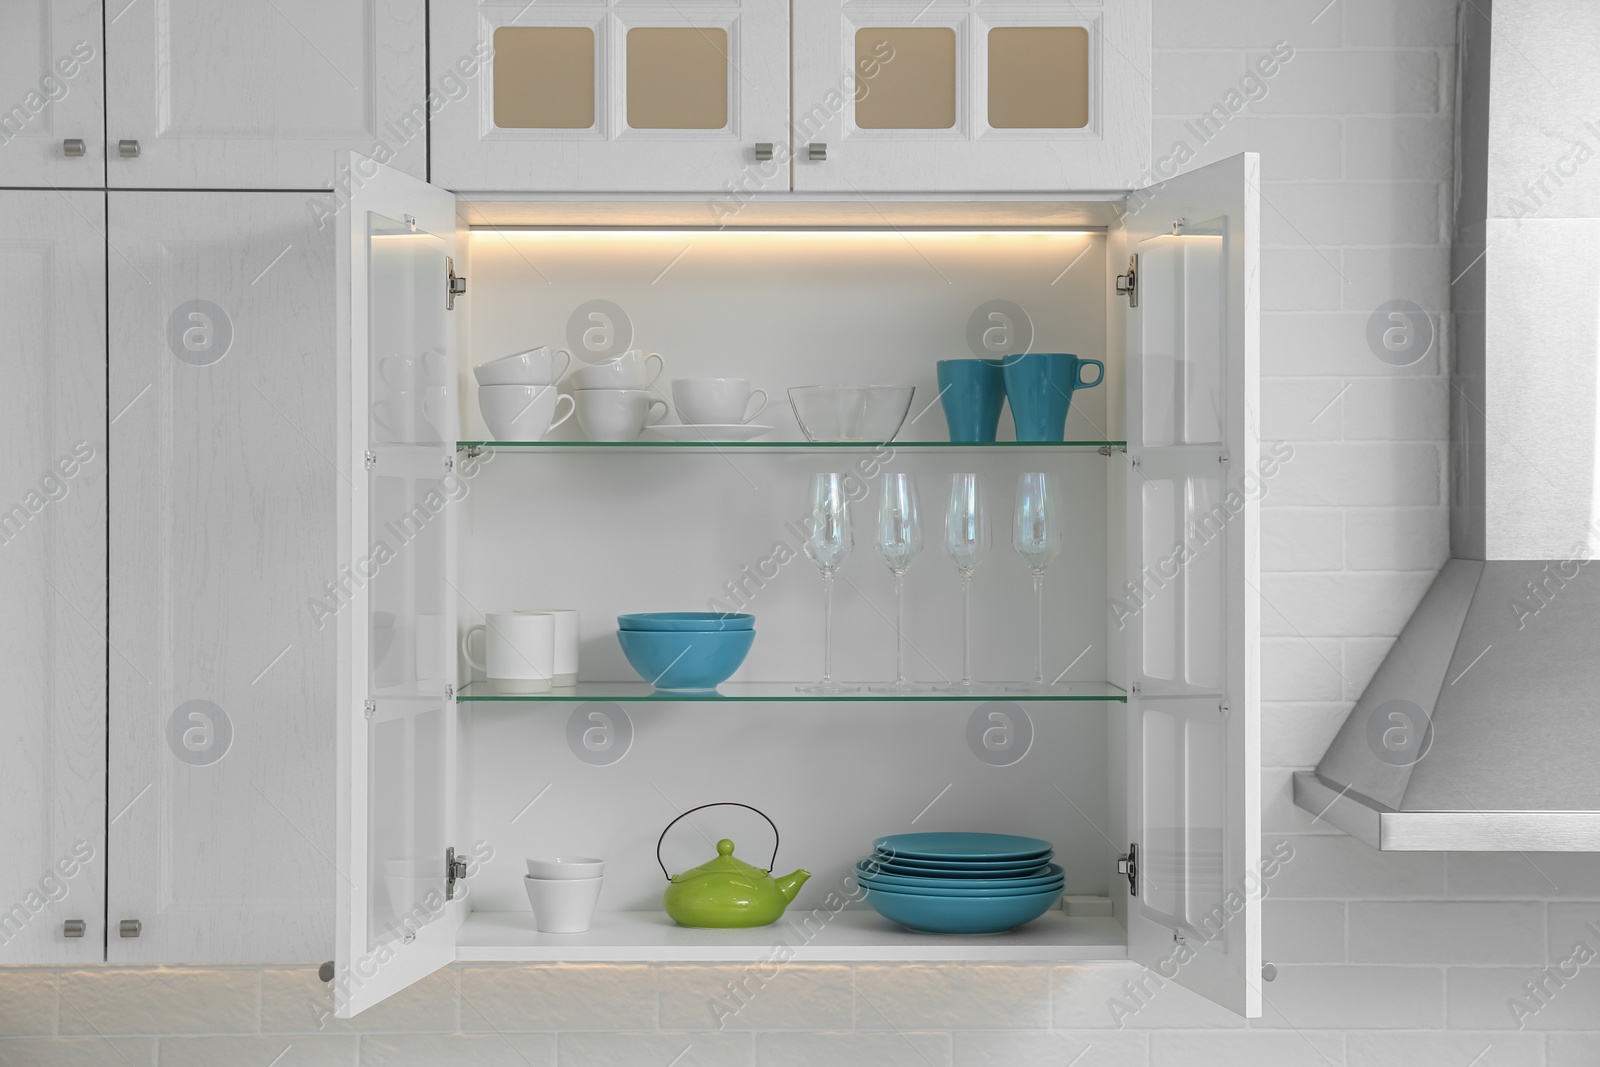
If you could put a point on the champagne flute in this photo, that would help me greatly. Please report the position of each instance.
(1036, 535)
(966, 541)
(828, 543)
(899, 541)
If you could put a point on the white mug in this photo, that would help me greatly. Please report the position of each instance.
(715, 401)
(410, 416)
(631, 370)
(519, 651)
(522, 412)
(566, 668)
(617, 414)
(536, 366)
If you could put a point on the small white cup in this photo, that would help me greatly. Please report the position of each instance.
(522, 412)
(566, 648)
(631, 370)
(617, 414)
(715, 401)
(563, 905)
(568, 867)
(536, 366)
(519, 651)
(410, 416)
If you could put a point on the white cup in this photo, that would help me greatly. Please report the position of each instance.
(617, 414)
(568, 867)
(563, 905)
(519, 651)
(631, 370)
(566, 674)
(410, 416)
(536, 366)
(715, 401)
(407, 372)
(521, 412)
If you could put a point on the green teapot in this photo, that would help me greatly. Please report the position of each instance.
(727, 892)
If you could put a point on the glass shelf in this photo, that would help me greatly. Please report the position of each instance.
(767, 692)
(1103, 447)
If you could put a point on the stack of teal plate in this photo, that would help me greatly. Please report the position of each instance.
(961, 883)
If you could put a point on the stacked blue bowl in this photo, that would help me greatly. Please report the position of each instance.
(961, 883)
(686, 651)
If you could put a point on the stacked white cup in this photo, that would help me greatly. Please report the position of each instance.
(517, 393)
(615, 401)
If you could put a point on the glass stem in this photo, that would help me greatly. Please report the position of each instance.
(1038, 601)
(899, 628)
(966, 628)
(827, 626)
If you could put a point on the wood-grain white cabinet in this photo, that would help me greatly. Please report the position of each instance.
(1150, 754)
(611, 96)
(53, 649)
(262, 96)
(222, 505)
(52, 67)
(971, 96)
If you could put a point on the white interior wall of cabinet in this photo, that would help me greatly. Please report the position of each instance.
(261, 96)
(223, 502)
(51, 70)
(53, 568)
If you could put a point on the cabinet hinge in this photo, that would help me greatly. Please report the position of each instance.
(1128, 865)
(369, 708)
(449, 692)
(1177, 226)
(1135, 462)
(1224, 709)
(1128, 284)
(370, 458)
(1223, 459)
(455, 284)
(454, 870)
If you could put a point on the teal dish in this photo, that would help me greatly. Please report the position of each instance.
(955, 845)
(960, 870)
(686, 661)
(691, 621)
(961, 915)
(867, 871)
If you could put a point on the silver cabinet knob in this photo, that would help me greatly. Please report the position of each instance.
(73, 927)
(72, 146)
(129, 928)
(1269, 971)
(817, 152)
(128, 150)
(763, 151)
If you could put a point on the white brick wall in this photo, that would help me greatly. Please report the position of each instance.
(1403, 960)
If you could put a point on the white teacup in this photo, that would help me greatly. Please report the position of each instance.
(521, 412)
(536, 366)
(410, 416)
(617, 414)
(519, 651)
(631, 370)
(715, 401)
(563, 905)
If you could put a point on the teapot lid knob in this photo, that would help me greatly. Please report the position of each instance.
(725, 847)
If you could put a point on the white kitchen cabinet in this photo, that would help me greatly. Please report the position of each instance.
(222, 500)
(971, 97)
(1148, 751)
(51, 92)
(612, 96)
(53, 568)
(262, 96)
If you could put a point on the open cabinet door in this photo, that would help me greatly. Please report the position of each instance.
(399, 907)
(1190, 599)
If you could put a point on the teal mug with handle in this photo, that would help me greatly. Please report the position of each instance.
(1039, 388)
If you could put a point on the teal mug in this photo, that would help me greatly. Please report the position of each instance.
(1039, 387)
(972, 392)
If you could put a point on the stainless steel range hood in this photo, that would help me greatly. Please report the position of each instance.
(1481, 729)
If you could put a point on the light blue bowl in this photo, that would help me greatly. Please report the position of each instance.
(961, 915)
(867, 872)
(699, 621)
(685, 661)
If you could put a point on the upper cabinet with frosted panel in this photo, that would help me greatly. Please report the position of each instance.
(612, 97)
(971, 96)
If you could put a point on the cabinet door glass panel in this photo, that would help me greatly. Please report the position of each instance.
(1039, 77)
(914, 87)
(678, 78)
(544, 77)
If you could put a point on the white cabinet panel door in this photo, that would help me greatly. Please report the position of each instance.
(223, 502)
(1189, 605)
(971, 96)
(612, 96)
(51, 66)
(53, 571)
(262, 96)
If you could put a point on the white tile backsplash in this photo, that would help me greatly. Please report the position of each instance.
(1446, 931)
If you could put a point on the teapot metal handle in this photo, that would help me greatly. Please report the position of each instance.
(771, 864)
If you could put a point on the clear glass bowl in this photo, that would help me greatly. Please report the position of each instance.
(872, 413)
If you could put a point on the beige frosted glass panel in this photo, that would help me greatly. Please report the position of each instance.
(915, 84)
(1039, 77)
(544, 77)
(678, 79)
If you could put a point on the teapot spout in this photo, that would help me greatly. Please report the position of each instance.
(790, 884)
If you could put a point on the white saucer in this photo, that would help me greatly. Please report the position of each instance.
(707, 434)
